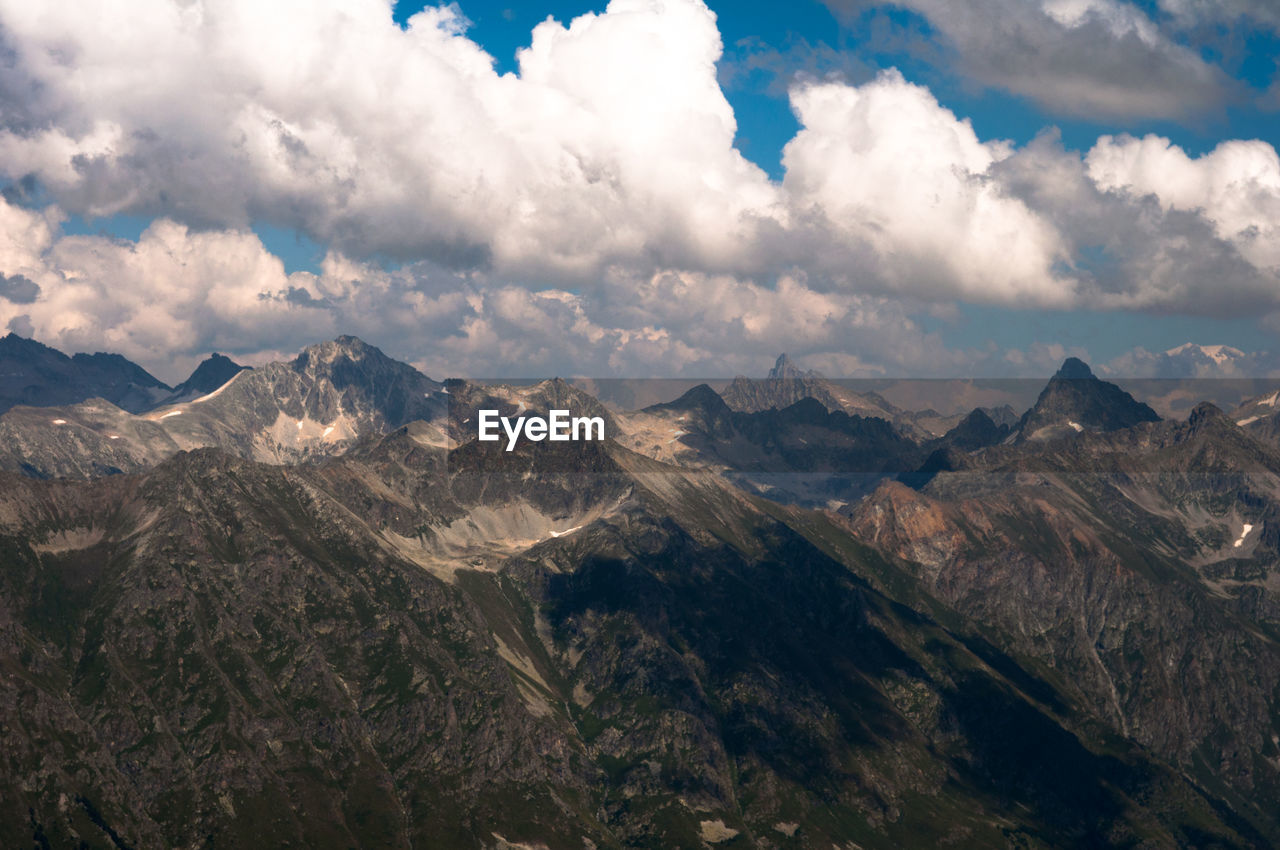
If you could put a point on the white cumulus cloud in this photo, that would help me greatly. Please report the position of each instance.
(889, 166)
(1236, 186)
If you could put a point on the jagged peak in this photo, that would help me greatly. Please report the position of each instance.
(786, 368)
(1075, 400)
(977, 416)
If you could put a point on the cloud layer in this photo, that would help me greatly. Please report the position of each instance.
(591, 208)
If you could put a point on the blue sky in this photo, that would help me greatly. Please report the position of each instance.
(337, 168)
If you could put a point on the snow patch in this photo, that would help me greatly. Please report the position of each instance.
(1076, 425)
(1243, 534)
(113, 436)
(59, 422)
(1248, 421)
(172, 413)
(566, 531)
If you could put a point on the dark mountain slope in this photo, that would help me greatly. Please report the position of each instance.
(214, 371)
(36, 375)
(1076, 400)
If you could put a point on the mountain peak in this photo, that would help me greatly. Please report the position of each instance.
(785, 368)
(214, 371)
(1217, 353)
(1073, 368)
(345, 346)
(1076, 400)
(702, 397)
(342, 358)
(1205, 413)
(36, 375)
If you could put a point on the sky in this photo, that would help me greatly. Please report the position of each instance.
(647, 188)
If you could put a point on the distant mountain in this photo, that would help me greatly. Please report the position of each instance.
(785, 369)
(1219, 355)
(802, 453)
(1260, 416)
(213, 372)
(786, 384)
(1075, 400)
(703, 409)
(319, 404)
(34, 374)
(978, 430)
(1003, 414)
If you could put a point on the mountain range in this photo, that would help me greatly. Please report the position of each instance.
(306, 607)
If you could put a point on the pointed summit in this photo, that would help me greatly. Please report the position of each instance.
(784, 368)
(213, 372)
(1076, 400)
